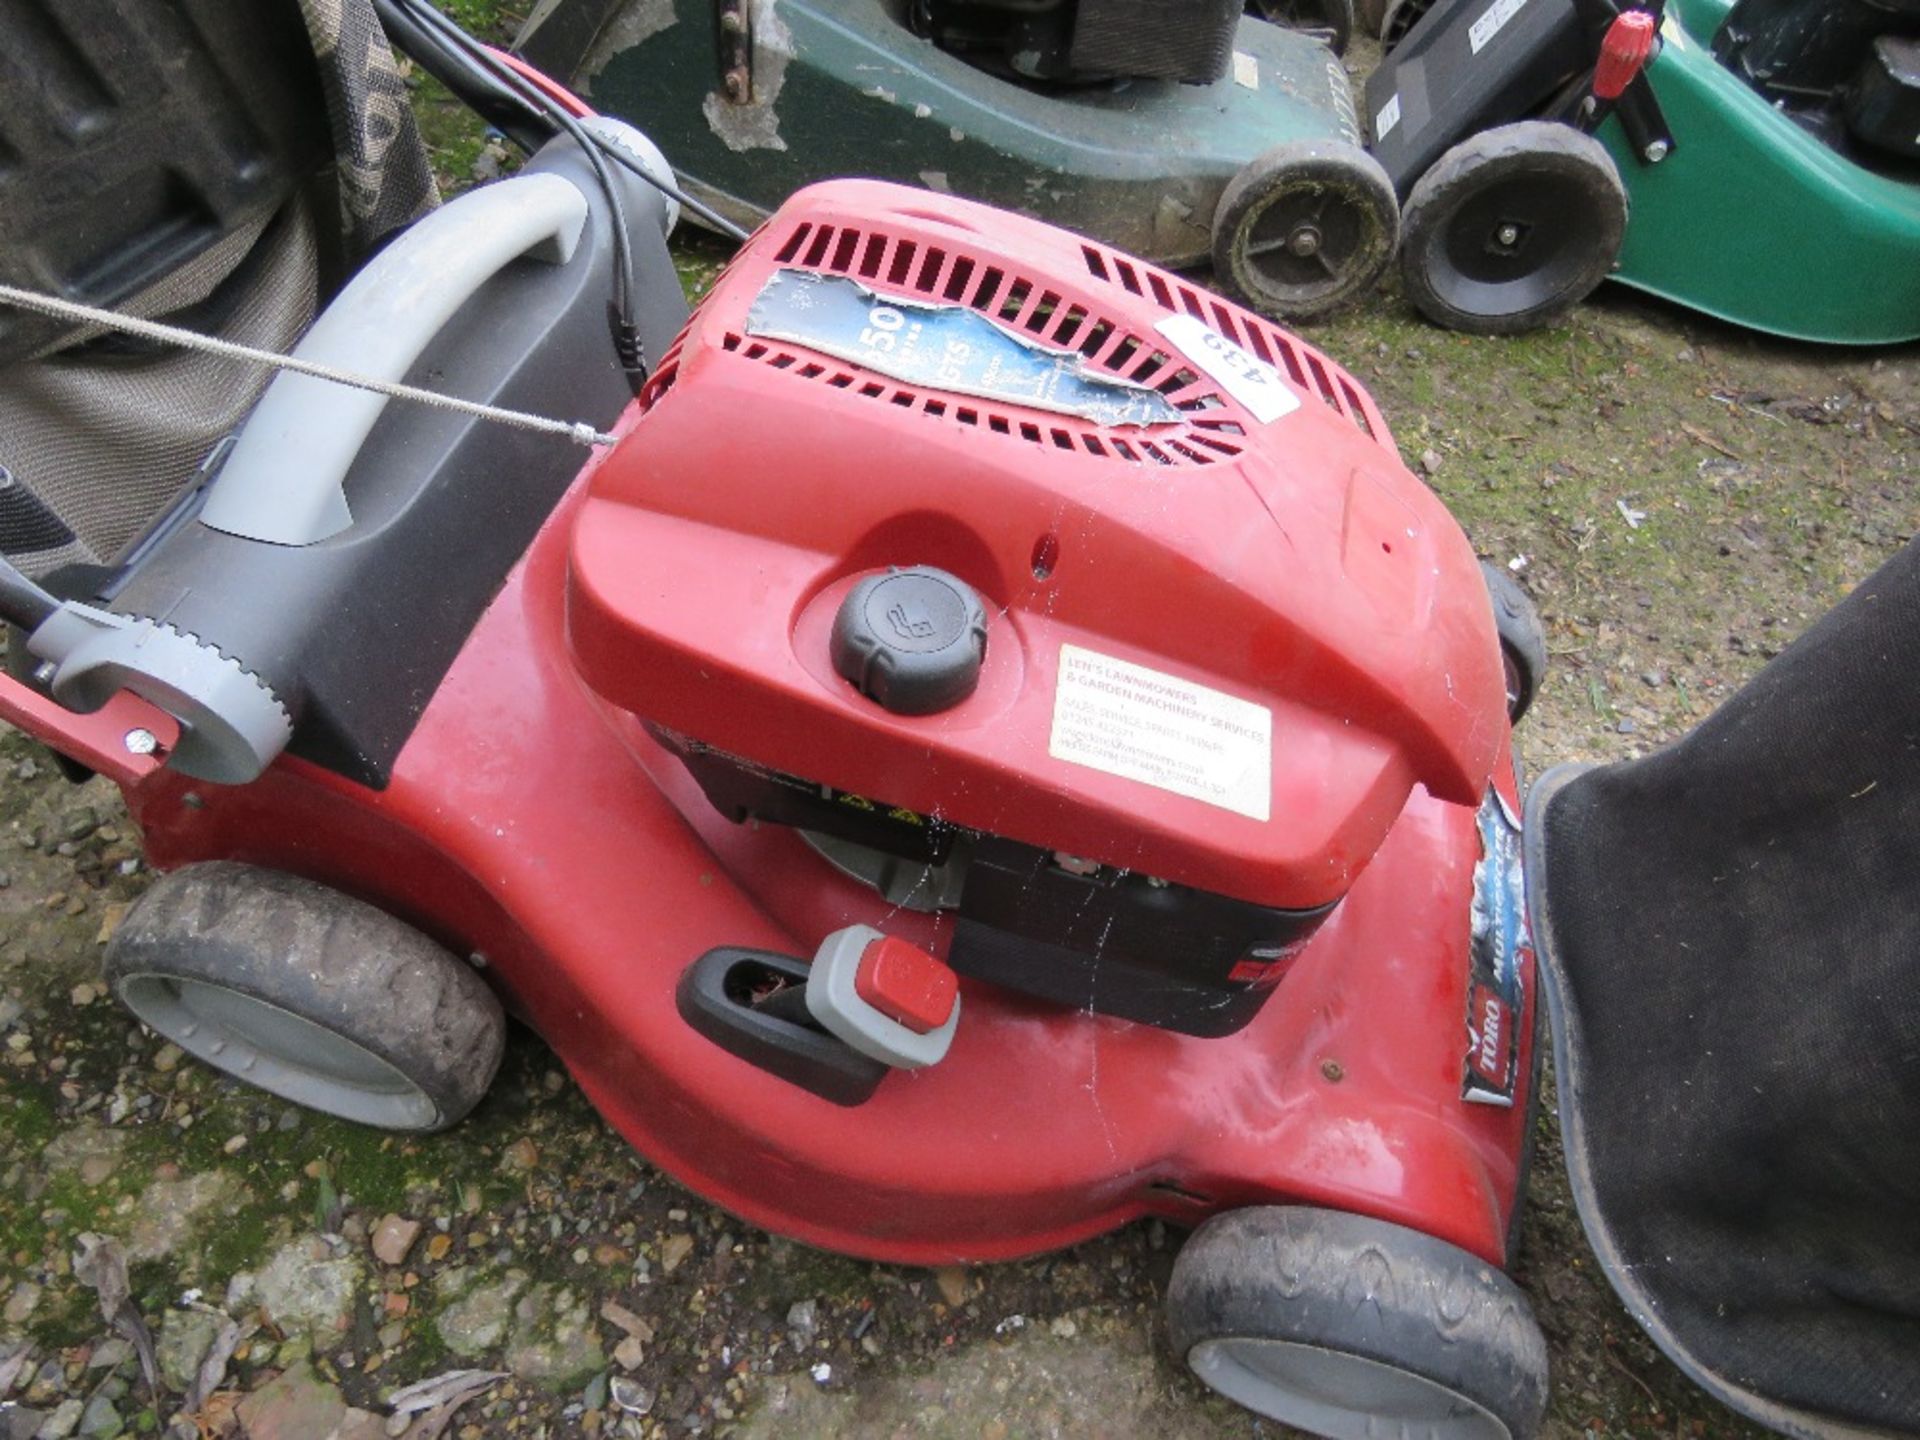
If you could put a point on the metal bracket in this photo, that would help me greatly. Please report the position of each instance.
(1645, 123)
(736, 51)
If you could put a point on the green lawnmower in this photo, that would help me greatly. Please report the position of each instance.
(1181, 130)
(1758, 160)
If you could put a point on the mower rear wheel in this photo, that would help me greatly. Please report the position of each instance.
(1328, 21)
(1351, 1327)
(1512, 228)
(309, 994)
(1304, 228)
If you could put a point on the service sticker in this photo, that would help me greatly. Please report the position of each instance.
(1140, 724)
(1248, 379)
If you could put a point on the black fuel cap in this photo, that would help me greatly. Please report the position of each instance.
(911, 640)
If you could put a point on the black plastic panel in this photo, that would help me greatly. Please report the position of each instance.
(725, 995)
(1120, 944)
(136, 133)
(1468, 65)
(740, 789)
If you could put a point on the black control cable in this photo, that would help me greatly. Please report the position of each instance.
(626, 331)
(477, 76)
(510, 102)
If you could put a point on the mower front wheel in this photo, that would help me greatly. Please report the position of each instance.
(1304, 228)
(1523, 639)
(1351, 1327)
(310, 994)
(1512, 228)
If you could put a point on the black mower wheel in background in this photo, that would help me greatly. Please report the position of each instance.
(309, 994)
(1512, 228)
(1328, 21)
(1350, 1327)
(1523, 640)
(1304, 228)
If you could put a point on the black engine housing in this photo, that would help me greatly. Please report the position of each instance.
(1840, 67)
(1054, 926)
(1089, 40)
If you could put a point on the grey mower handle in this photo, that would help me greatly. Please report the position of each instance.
(283, 481)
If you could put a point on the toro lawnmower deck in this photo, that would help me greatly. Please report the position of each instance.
(999, 746)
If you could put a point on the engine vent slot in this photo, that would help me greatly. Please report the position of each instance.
(664, 374)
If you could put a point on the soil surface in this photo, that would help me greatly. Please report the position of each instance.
(1679, 498)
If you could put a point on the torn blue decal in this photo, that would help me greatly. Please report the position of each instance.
(944, 347)
(1498, 945)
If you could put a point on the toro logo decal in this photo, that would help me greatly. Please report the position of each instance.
(1487, 1055)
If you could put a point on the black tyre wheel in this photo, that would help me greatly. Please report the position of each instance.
(1397, 17)
(1512, 228)
(1523, 640)
(1305, 228)
(1328, 21)
(319, 998)
(1353, 1328)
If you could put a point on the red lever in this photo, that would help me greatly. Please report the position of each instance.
(1623, 53)
(906, 984)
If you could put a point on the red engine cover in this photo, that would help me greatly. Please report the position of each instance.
(1228, 630)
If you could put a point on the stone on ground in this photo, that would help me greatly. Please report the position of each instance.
(299, 1405)
(475, 1310)
(553, 1340)
(309, 1286)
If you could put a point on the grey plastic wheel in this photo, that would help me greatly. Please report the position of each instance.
(1305, 228)
(1352, 1328)
(1512, 228)
(308, 994)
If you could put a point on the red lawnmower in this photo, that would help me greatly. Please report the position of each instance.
(999, 746)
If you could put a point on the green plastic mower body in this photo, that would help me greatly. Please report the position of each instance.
(842, 87)
(1752, 219)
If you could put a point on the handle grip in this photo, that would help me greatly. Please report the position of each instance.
(283, 481)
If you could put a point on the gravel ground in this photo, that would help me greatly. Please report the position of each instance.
(1680, 498)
